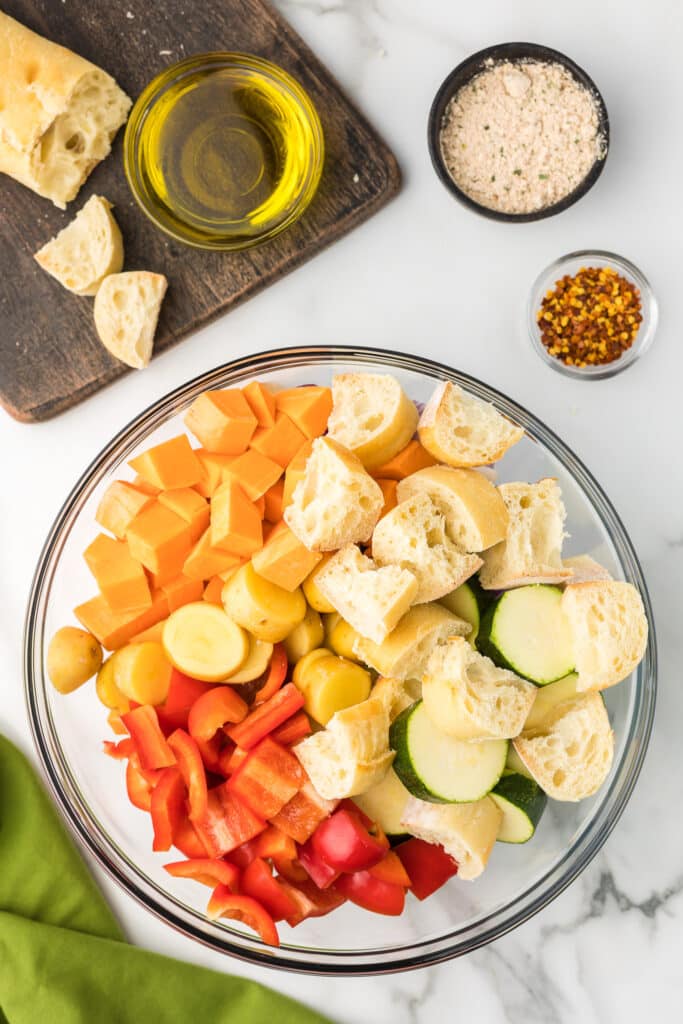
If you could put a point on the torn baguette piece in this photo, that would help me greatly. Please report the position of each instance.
(609, 631)
(370, 598)
(569, 754)
(467, 832)
(470, 698)
(475, 513)
(532, 550)
(126, 313)
(86, 251)
(413, 536)
(371, 416)
(336, 501)
(585, 569)
(404, 652)
(461, 430)
(396, 694)
(351, 754)
(58, 115)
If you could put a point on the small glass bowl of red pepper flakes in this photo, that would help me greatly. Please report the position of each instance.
(591, 314)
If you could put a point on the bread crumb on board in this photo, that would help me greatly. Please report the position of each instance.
(521, 136)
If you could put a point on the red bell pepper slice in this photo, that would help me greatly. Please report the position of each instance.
(311, 901)
(268, 778)
(224, 903)
(119, 751)
(266, 717)
(291, 870)
(345, 842)
(183, 691)
(213, 710)
(274, 844)
(277, 673)
(372, 893)
(258, 882)
(318, 870)
(167, 807)
(243, 854)
(390, 869)
(139, 785)
(187, 840)
(206, 870)
(231, 758)
(301, 816)
(115, 724)
(210, 753)
(293, 730)
(227, 822)
(150, 742)
(192, 770)
(427, 864)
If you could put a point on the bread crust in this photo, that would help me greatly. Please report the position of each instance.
(609, 631)
(476, 516)
(393, 416)
(451, 450)
(105, 250)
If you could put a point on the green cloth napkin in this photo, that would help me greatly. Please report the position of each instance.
(63, 956)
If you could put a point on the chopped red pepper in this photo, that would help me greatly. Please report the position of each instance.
(257, 881)
(183, 692)
(143, 725)
(210, 752)
(167, 807)
(290, 869)
(227, 822)
(390, 869)
(372, 893)
(428, 866)
(119, 751)
(138, 785)
(318, 870)
(230, 758)
(277, 673)
(192, 770)
(293, 730)
(274, 844)
(243, 855)
(224, 903)
(213, 710)
(301, 816)
(268, 778)
(267, 716)
(206, 870)
(115, 724)
(344, 841)
(311, 901)
(187, 840)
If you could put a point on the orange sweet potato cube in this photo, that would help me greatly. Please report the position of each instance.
(145, 486)
(205, 561)
(284, 560)
(169, 464)
(182, 590)
(409, 460)
(114, 629)
(295, 471)
(389, 492)
(222, 421)
(119, 576)
(308, 407)
(213, 590)
(154, 633)
(235, 521)
(273, 504)
(160, 539)
(190, 506)
(254, 472)
(214, 468)
(280, 442)
(119, 506)
(261, 401)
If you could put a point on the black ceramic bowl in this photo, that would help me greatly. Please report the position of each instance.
(463, 74)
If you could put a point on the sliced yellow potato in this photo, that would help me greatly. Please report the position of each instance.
(300, 673)
(260, 653)
(330, 684)
(142, 672)
(266, 610)
(203, 642)
(73, 656)
(340, 636)
(305, 637)
(310, 588)
(107, 690)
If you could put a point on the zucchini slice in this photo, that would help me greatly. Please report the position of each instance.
(515, 766)
(466, 603)
(385, 803)
(548, 697)
(522, 802)
(526, 631)
(436, 767)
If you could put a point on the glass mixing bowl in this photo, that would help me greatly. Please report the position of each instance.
(89, 787)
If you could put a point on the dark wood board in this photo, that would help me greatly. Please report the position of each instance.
(50, 357)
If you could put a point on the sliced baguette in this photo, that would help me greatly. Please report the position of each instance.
(461, 430)
(569, 754)
(585, 569)
(126, 313)
(371, 416)
(470, 698)
(351, 755)
(396, 694)
(413, 536)
(532, 550)
(609, 631)
(403, 654)
(475, 513)
(370, 598)
(467, 832)
(336, 502)
(86, 250)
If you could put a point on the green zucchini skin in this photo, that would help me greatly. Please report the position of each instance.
(522, 802)
(402, 763)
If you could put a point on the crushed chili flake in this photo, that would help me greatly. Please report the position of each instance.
(591, 318)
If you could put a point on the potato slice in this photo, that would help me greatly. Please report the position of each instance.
(74, 655)
(305, 637)
(268, 611)
(201, 641)
(260, 653)
(142, 672)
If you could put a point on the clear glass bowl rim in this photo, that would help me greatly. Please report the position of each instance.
(363, 962)
(644, 339)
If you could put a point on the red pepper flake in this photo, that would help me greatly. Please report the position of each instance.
(591, 318)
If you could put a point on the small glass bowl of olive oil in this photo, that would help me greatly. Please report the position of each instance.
(223, 150)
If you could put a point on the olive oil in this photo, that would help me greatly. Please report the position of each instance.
(225, 151)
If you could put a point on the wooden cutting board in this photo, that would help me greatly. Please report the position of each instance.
(50, 357)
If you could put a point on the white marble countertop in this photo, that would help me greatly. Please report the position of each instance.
(427, 276)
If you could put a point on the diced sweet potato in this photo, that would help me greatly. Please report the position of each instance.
(114, 629)
(389, 492)
(145, 486)
(235, 521)
(119, 506)
(273, 504)
(160, 539)
(280, 442)
(254, 472)
(119, 576)
(169, 464)
(284, 560)
(308, 407)
(214, 468)
(222, 421)
(294, 472)
(190, 506)
(153, 633)
(213, 590)
(261, 401)
(205, 561)
(182, 590)
(409, 460)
